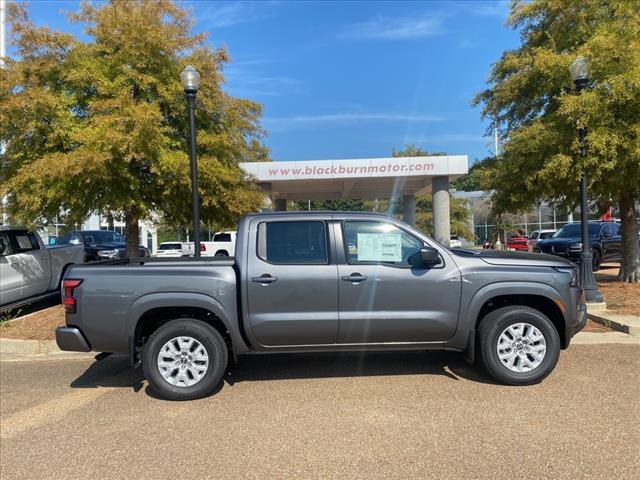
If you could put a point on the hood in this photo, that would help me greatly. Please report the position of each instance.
(559, 241)
(106, 246)
(510, 258)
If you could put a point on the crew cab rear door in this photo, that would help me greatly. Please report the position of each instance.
(292, 285)
(385, 297)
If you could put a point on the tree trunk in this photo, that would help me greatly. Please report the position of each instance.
(630, 264)
(131, 234)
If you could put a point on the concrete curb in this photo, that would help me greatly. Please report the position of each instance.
(596, 338)
(629, 324)
(12, 349)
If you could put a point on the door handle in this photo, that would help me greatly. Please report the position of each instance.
(354, 277)
(265, 278)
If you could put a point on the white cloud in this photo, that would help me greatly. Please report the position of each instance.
(399, 28)
(223, 14)
(488, 8)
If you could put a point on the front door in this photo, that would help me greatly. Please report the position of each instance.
(386, 295)
(292, 288)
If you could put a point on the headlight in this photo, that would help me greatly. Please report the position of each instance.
(576, 246)
(108, 253)
(572, 272)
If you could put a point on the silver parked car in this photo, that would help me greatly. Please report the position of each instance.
(29, 270)
(537, 235)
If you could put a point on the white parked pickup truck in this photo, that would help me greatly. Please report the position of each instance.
(223, 245)
(29, 270)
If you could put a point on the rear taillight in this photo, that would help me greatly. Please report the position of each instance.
(203, 247)
(68, 300)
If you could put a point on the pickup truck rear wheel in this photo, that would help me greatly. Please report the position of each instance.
(184, 359)
(519, 345)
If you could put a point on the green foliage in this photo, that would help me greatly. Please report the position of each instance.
(100, 126)
(533, 99)
(473, 180)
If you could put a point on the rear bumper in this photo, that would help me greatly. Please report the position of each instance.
(71, 339)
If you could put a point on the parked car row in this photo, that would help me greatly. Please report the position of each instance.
(100, 244)
(30, 270)
(605, 242)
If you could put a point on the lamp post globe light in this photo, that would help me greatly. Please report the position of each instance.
(579, 71)
(190, 82)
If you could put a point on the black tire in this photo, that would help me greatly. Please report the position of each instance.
(596, 257)
(492, 326)
(210, 339)
(221, 253)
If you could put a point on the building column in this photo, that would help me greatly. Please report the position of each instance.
(409, 209)
(279, 205)
(441, 212)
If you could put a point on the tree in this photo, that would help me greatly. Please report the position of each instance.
(533, 100)
(100, 126)
(458, 207)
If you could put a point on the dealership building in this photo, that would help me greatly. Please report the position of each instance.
(365, 179)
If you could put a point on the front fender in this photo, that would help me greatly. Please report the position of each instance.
(226, 313)
(469, 316)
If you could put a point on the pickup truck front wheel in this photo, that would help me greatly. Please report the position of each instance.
(518, 345)
(184, 359)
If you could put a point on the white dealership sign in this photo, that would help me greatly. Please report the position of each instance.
(357, 168)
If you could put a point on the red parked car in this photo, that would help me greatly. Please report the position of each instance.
(518, 242)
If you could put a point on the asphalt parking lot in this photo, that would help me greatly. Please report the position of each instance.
(409, 415)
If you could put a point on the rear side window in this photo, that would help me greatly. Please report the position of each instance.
(222, 237)
(292, 243)
(23, 241)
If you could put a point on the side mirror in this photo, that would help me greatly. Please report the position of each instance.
(429, 256)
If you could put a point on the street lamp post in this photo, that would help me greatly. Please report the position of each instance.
(190, 82)
(579, 70)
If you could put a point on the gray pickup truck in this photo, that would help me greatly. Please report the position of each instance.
(319, 282)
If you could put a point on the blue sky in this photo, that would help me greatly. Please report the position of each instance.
(354, 79)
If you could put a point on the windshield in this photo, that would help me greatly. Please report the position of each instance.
(102, 236)
(170, 246)
(574, 231)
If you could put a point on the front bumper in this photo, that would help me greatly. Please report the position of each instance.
(71, 339)
(579, 314)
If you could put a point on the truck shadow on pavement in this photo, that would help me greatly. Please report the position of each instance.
(114, 371)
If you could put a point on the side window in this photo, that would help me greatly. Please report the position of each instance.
(380, 242)
(23, 241)
(295, 242)
(5, 244)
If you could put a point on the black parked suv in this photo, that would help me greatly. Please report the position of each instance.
(605, 242)
(99, 244)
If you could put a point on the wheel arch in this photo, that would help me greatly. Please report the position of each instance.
(542, 297)
(541, 303)
(151, 311)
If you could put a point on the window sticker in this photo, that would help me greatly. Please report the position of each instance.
(23, 242)
(379, 247)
